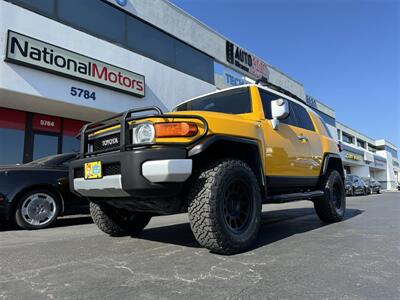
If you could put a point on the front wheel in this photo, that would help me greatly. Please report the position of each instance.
(332, 206)
(225, 206)
(37, 209)
(118, 222)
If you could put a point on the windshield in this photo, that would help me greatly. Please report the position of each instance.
(235, 101)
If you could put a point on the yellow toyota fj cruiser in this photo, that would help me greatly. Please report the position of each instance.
(218, 157)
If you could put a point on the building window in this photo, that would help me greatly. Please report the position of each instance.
(194, 62)
(12, 135)
(71, 129)
(360, 143)
(148, 41)
(371, 148)
(391, 151)
(338, 135)
(95, 17)
(347, 138)
(45, 7)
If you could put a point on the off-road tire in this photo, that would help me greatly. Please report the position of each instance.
(210, 191)
(332, 206)
(118, 222)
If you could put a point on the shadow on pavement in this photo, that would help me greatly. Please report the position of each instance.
(276, 225)
(61, 222)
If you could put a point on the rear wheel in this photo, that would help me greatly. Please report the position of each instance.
(118, 222)
(225, 206)
(37, 209)
(332, 206)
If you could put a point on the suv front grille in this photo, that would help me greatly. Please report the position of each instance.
(112, 169)
(106, 142)
(108, 169)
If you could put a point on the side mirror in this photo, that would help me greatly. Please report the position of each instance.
(279, 110)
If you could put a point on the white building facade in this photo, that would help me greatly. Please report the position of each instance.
(367, 157)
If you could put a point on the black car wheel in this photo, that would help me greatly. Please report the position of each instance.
(37, 209)
(378, 191)
(332, 206)
(225, 206)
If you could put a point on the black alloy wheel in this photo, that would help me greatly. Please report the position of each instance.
(238, 206)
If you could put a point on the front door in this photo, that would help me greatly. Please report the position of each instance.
(286, 151)
(292, 152)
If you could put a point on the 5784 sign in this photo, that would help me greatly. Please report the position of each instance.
(82, 93)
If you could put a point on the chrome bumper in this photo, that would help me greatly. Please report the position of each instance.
(108, 186)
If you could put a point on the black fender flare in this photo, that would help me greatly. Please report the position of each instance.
(207, 142)
(325, 163)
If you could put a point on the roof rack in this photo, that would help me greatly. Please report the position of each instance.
(263, 81)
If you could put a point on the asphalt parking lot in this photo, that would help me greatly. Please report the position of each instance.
(296, 257)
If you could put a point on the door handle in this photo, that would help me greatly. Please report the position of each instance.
(302, 138)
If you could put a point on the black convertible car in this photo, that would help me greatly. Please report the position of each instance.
(33, 195)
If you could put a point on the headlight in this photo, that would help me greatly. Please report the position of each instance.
(143, 133)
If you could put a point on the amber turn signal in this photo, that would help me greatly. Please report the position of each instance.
(175, 129)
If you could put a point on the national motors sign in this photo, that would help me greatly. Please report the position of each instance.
(247, 62)
(31, 52)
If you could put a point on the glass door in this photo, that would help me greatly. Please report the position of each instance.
(45, 136)
(44, 144)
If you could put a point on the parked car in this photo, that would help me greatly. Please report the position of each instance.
(33, 195)
(373, 186)
(354, 185)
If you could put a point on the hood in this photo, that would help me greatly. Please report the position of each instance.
(8, 168)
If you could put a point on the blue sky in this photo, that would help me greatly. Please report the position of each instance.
(345, 52)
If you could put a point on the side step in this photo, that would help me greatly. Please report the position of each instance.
(295, 197)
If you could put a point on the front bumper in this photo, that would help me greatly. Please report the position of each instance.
(143, 173)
